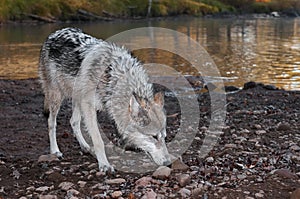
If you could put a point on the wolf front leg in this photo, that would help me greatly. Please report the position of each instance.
(88, 111)
(75, 123)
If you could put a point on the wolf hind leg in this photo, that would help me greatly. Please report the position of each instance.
(55, 99)
(46, 110)
(75, 123)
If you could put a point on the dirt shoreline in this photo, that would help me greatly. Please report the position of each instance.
(257, 155)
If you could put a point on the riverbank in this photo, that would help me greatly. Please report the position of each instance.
(257, 155)
(89, 10)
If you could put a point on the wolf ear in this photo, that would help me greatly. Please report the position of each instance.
(134, 106)
(137, 111)
(159, 98)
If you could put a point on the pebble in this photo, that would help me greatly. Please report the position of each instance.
(259, 195)
(249, 85)
(234, 146)
(285, 173)
(241, 176)
(73, 192)
(65, 186)
(283, 127)
(47, 197)
(260, 132)
(150, 194)
(81, 184)
(42, 189)
(115, 181)
(231, 88)
(144, 181)
(185, 193)
(295, 194)
(48, 158)
(196, 192)
(179, 165)
(162, 173)
(183, 180)
(295, 148)
(210, 159)
(270, 87)
(116, 194)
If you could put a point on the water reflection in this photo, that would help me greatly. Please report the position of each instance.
(264, 50)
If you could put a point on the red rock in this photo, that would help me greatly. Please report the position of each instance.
(179, 165)
(48, 158)
(150, 194)
(144, 181)
(183, 179)
(162, 173)
(116, 194)
(285, 173)
(295, 194)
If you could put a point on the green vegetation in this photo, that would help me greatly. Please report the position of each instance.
(68, 9)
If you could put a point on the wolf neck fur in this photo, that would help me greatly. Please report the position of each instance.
(127, 76)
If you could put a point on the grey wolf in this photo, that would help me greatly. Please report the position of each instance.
(101, 76)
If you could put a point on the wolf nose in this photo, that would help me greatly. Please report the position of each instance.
(167, 162)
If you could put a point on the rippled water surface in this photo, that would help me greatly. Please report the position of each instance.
(263, 50)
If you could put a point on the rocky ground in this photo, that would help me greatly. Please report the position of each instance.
(257, 154)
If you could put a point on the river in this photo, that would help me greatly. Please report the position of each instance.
(265, 50)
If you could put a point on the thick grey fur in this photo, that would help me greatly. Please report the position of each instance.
(99, 75)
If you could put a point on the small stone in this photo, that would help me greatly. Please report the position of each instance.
(295, 148)
(150, 194)
(93, 166)
(210, 160)
(260, 132)
(270, 87)
(48, 158)
(179, 165)
(42, 189)
(31, 188)
(73, 192)
(65, 186)
(249, 85)
(196, 192)
(241, 176)
(259, 195)
(247, 192)
(226, 146)
(231, 88)
(258, 126)
(185, 193)
(162, 173)
(100, 174)
(295, 194)
(249, 197)
(81, 184)
(285, 173)
(143, 182)
(116, 194)
(47, 197)
(283, 127)
(115, 181)
(183, 179)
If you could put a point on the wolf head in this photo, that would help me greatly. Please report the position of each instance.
(146, 129)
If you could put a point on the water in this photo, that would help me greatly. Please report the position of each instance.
(263, 50)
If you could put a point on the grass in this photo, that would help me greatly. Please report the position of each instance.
(66, 9)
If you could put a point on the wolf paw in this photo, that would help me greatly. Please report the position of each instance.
(108, 169)
(58, 154)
